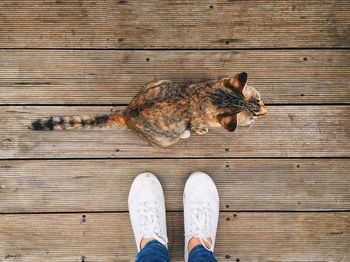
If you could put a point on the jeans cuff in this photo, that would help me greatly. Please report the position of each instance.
(154, 243)
(198, 248)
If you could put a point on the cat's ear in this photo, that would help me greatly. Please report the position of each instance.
(239, 81)
(228, 121)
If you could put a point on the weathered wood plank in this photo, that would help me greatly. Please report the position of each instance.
(102, 77)
(103, 185)
(243, 236)
(288, 131)
(174, 24)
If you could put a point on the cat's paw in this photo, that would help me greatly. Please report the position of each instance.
(202, 131)
(185, 134)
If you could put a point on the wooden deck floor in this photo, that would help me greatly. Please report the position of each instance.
(284, 183)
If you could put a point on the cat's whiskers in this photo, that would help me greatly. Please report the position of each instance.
(251, 125)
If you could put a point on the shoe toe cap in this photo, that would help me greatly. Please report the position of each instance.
(201, 185)
(145, 186)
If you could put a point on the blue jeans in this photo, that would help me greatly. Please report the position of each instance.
(156, 252)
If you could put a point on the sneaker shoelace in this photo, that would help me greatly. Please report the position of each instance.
(200, 220)
(149, 222)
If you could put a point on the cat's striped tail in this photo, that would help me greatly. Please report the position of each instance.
(80, 122)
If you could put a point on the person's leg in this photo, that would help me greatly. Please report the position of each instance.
(153, 251)
(147, 215)
(201, 254)
(201, 215)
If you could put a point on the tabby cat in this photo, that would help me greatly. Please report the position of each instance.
(163, 112)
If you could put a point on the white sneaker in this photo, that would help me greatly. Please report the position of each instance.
(201, 210)
(147, 209)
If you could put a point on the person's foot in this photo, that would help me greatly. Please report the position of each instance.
(201, 212)
(147, 210)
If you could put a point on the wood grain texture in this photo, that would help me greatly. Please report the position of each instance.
(288, 131)
(174, 24)
(88, 52)
(108, 237)
(103, 185)
(107, 76)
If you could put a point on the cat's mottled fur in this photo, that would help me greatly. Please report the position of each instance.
(163, 112)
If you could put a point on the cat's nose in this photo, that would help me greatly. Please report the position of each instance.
(263, 111)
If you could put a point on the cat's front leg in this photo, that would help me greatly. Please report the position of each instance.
(200, 130)
(199, 126)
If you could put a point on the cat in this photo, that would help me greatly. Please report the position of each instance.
(164, 111)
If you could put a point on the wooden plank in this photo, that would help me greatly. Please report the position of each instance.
(103, 185)
(288, 131)
(243, 236)
(108, 76)
(174, 24)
